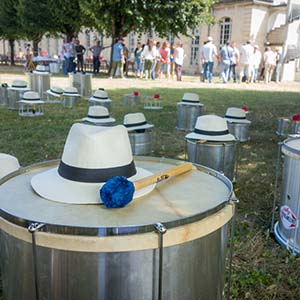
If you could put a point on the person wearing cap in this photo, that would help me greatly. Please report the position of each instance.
(256, 60)
(270, 63)
(245, 61)
(234, 61)
(208, 54)
(118, 58)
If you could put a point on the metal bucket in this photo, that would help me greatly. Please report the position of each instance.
(283, 126)
(54, 67)
(187, 116)
(219, 156)
(3, 94)
(117, 254)
(240, 131)
(141, 143)
(31, 110)
(39, 83)
(130, 100)
(295, 127)
(13, 97)
(69, 101)
(83, 83)
(286, 229)
(106, 104)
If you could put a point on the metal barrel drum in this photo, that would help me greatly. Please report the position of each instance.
(171, 238)
(69, 101)
(3, 94)
(240, 131)
(219, 156)
(141, 142)
(14, 95)
(295, 127)
(286, 230)
(54, 67)
(40, 83)
(130, 100)
(283, 126)
(83, 83)
(104, 103)
(187, 116)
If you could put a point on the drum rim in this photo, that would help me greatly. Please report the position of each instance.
(288, 150)
(117, 230)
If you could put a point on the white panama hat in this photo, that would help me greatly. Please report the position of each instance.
(55, 91)
(19, 85)
(41, 70)
(71, 91)
(98, 115)
(91, 156)
(136, 121)
(236, 115)
(211, 128)
(100, 96)
(190, 99)
(8, 164)
(210, 39)
(31, 98)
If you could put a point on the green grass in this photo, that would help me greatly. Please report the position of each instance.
(261, 268)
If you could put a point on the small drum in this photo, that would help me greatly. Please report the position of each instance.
(295, 127)
(240, 131)
(219, 156)
(105, 103)
(286, 229)
(283, 126)
(4, 94)
(83, 83)
(40, 83)
(130, 100)
(171, 238)
(187, 115)
(15, 95)
(70, 101)
(141, 143)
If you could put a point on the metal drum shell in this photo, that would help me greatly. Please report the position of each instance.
(39, 83)
(131, 100)
(71, 267)
(240, 131)
(220, 156)
(141, 143)
(13, 97)
(3, 95)
(295, 127)
(106, 104)
(187, 116)
(290, 196)
(83, 83)
(70, 101)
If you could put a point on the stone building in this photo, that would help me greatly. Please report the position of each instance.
(274, 22)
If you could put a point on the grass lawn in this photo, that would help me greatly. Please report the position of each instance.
(261, 268)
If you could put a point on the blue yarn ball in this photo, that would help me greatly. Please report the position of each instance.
(117, 192)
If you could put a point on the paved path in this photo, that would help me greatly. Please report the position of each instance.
(188, 82)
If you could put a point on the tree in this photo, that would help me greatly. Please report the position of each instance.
(9, 25)
(119, 17)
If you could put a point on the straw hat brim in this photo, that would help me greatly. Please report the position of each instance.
(31, 101)
(53, 94)
(146, 126)
(99, 100)
(190, 103)
(74, 95)
(218, 138)
(52, 186)
(243, 121)
(18, 89)
(99, 121)
(41, 73)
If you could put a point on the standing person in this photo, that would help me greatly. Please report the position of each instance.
(178, 59)
(225, 58)
(270, 63)
(118, 58)
(278, 64)
(208, 54)
(28, 56)
(72, 64)
(234, 61)
(157, 60)
(80, 50)
(96, 50)
(256, 60)
(165, 53)
(245, 61)
(125, 61)
(66, 51)
(148, 55)
(172, 60)
(138, 60)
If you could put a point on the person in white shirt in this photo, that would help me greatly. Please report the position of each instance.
(270, 64)
(208, 54)
(245, 61)
(178, 59)
(148, 55)
(256, 60)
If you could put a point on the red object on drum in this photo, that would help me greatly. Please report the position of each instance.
(135, 93)
(245, 108)
(156, 96)
(296, 117)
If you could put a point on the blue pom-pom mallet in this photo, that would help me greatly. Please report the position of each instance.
(118, 191)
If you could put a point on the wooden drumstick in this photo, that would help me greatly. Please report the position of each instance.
(118, 191)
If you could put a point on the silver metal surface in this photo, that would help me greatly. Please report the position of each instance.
(219, 156)
(13, 97)
(290, 197)
(295, 127)
(106, 104)
(141, 143)
(70, 101)
(3, 95)
(54, 67)
(283, 126)
(83, 83)
(130, 100)
(187, 116)
(240, 131)
(39, 83)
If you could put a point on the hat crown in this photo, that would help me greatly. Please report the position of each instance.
(19, 83)
(98, 111)
(8, 164)
(100, 94)
(57, 90)
(31, 96)
(190, 97)
(211, 123)
(235, 112)
(95, 147)
(134, 118)
(71, 89)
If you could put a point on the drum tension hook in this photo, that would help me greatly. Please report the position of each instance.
(35, 226)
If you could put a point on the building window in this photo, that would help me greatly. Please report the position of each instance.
(194, 59)
(225, 30)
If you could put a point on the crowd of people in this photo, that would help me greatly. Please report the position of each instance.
(246, 64)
